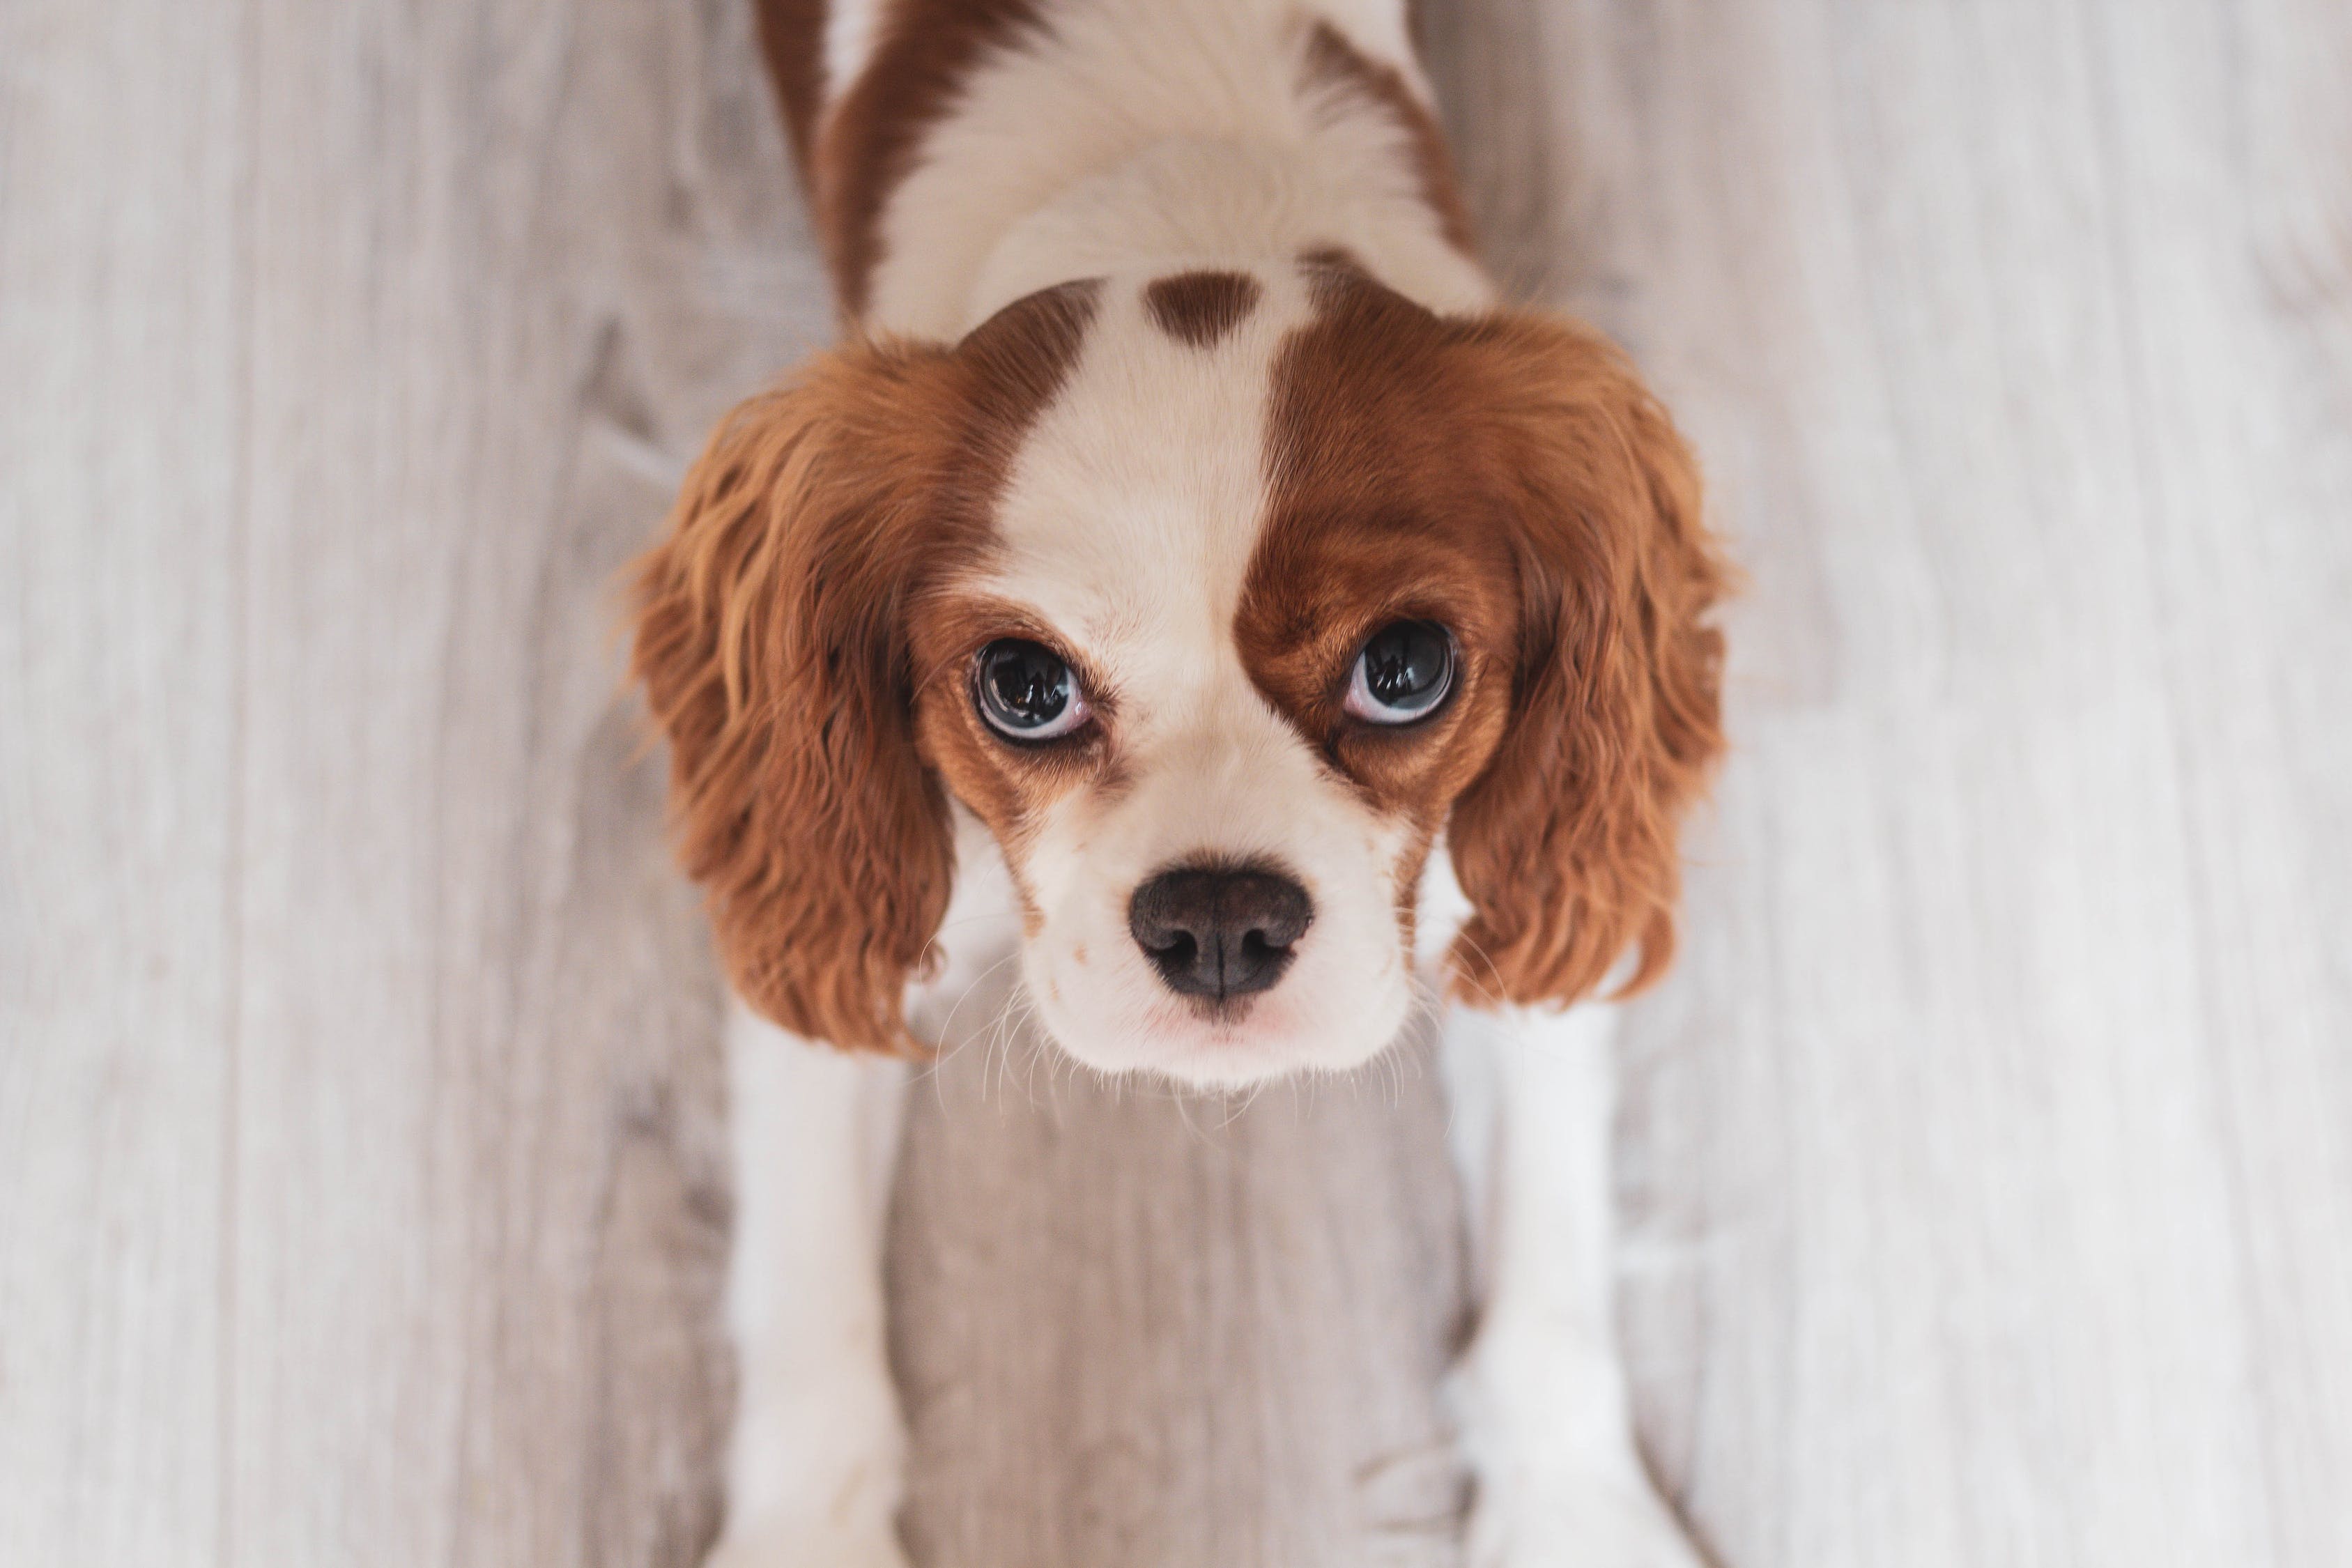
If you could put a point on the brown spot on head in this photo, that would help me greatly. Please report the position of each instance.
(1508, 478)
(773, 638)
(1199, 307)
(1333, 64)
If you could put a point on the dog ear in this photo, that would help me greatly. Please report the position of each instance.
(1566, 844)
(768, 637)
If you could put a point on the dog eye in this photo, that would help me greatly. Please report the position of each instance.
(1403, 673)
(1026, 692)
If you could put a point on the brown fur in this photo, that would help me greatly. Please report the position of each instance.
(1201, 307)
(791, 36)
(1514, 481)
(771, 636)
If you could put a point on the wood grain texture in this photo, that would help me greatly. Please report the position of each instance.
(122, 334)
(1134, 1326)
(1985, 1164)
(480, 1185)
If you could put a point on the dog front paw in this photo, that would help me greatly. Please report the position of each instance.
(1592, 1520)
(1549, 1434)
(780, 1543)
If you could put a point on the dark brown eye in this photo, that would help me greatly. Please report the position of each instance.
(1404, 673)
(1025, 691)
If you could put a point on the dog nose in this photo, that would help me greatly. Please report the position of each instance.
(1219, 932)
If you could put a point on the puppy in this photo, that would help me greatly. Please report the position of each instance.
(1187, 575)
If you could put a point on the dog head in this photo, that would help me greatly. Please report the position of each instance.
(1220, 598)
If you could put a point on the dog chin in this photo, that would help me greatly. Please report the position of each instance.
(1226, 1050)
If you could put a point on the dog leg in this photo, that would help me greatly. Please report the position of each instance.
(816, 1461)
(1541, 1392)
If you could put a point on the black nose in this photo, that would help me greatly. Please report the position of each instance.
(1219, 933)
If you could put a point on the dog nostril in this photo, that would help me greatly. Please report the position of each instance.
(1219, 932)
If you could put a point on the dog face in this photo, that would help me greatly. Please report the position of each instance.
(1220, 598)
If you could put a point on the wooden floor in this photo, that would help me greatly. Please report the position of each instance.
(1986, 1165)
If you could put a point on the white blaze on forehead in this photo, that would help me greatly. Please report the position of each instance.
(1132, 510)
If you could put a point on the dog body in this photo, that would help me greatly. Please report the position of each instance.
(1187, 585)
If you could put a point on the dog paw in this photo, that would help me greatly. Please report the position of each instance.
(1548, 1432)
(1598, 1520)
(1587, 1522)
(780, 1545)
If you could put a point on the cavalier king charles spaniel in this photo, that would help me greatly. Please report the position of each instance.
(1187, 577)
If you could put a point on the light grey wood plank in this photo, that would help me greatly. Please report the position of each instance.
(510, 262)
(2239, 334)
(122, 291)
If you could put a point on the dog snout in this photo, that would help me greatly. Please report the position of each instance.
(1219, 932)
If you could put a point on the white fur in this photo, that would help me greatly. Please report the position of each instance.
(1135, 138)
(816, 1461)
(817, 1456)
(1541, 1394)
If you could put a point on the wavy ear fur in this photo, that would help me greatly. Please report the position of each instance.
(770, 637)
(773, 643)
(1566, 843)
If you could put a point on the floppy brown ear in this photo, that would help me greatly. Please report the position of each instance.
(1567, 844)
(768, 637)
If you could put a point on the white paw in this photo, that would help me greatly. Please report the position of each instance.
(780, 1544)
(804, 1494)
(1549, 1433)
(816, 1471)
(1587, 1520)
